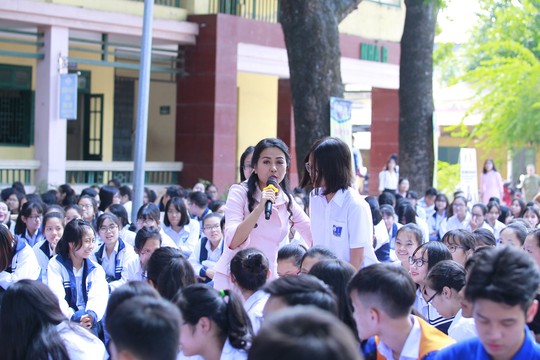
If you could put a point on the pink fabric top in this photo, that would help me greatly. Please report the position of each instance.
(491, 184)
(267, 234)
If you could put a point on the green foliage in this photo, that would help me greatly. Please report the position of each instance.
(505, 72)
(447, 177)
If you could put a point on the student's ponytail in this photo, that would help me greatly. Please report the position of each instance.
(239, 329)
(250, 268)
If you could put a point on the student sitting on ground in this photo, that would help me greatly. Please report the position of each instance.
(289, 260)
(502, 286)
(382, 296)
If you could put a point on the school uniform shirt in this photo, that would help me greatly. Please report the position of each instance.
(187, 239)
(94, 288)
(474, 349)
(434, 225)
(453, 223)
(342, 224)
(80, 343)
(128, 205)
(431, 314)
(254, 306)
(229, 352)
(32, 239)
(388, 180)
(485, 225)
(24, 265)
(133, 271)
(462, 328)
(204, 253)
(114, 264)
(429, 210)
(265, 236)
(166, 240)
(127, 235)
(496, 230)
(43, 253)
(423, 342)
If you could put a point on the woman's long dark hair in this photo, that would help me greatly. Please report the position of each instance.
(8, 244)
(249, 150)
(253, 180)
(28, 319)
(26, 211)
(224, 308)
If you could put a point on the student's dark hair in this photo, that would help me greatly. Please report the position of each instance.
(405, 213)
(320, 252)
(49, 197)
(19, 186)
(28, 319)
(127, 291)
(215, 205)
(387, 286)
(71, 196)
(375, 210)
(492, 163)
(179, 205)
(110, 216)
(505, 213)
(303, 290)
(533, 209)
(120, 212)
(484, 237)
(493, 204)
(51, 215)
(503, 275)
(250, 267)
(519, 229)
(460, 237)
(253, 181)
(436, 252)
(482, 208)
(55, 208)
(147, 327)
(8, 244)
(495, 199)
(106, 194)
(170, 271)
(411, 194)
(73, 233)
(26, 211)
(292, 251)
(145, 233)
(522, 206)
(198, 198)
(176, 191)
(431, 192)
(151, 194)
(75, 207)
(413, 229)
(125, 190)
(249, 150)
(212, 215)
(20, 196)
(331, 163)
(149, 211)
(443, 197)
(223, 307)
(114, 182)
(387, 210)
(446, 273)
(337, 274)
(304, 333)
(387, 198)
(88, 192)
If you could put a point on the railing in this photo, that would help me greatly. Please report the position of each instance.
(262, 10)
(100, 172)
(18, 170)
(171, 3)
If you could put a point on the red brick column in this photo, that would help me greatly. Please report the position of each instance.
(285, 128)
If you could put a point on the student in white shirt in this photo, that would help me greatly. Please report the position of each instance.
(215, 326)
(53, 229)
(183, 230)
(149, 215)
(51, 335)
(443, 284)
(124, 233)
(210, 247)
(17, 260)
(494, 211)
(114, 254)
(79, 283)
(249, 272)
(147, 241)
(459, 220)
(28, 226)
(340, 218)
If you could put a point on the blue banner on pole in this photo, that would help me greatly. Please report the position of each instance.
(68, 96)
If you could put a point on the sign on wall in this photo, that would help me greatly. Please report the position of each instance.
(68, 96)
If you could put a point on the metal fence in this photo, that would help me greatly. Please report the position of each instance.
(262, 10)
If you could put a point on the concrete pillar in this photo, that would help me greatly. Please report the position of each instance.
(50, 130)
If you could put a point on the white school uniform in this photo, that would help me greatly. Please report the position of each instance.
(23, 266)
(211, 259)
(116, 262)
(342, 224)
(80, 343)
(254, 306)
(127, 235)
(43, 253)
(462, 328)
(133, 271)
(186, 240)
(231, 353)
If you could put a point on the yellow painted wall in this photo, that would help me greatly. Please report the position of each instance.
(257, 109)
(375, 21)
(195, 7)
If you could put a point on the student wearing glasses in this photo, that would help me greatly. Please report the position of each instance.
(28, 225)
(114, 253)
(209, 249)
(89, 208)
(461, 244)
(460, 218)
(422, 260)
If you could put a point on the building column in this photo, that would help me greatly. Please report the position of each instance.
(384, 132)
(49, 129)
(285, 129)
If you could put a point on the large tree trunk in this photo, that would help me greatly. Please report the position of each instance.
(311, 36)
(416, 157)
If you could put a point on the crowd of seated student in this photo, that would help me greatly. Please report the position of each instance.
(423, 283)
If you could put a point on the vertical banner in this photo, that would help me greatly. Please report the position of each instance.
(468, 174)
(68, 96)
(340, 119)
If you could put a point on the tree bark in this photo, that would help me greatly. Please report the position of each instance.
(416, 154)
(311, 36)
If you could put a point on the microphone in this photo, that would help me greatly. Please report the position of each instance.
(271, 183)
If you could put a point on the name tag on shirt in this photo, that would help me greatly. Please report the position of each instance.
(336, 230)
